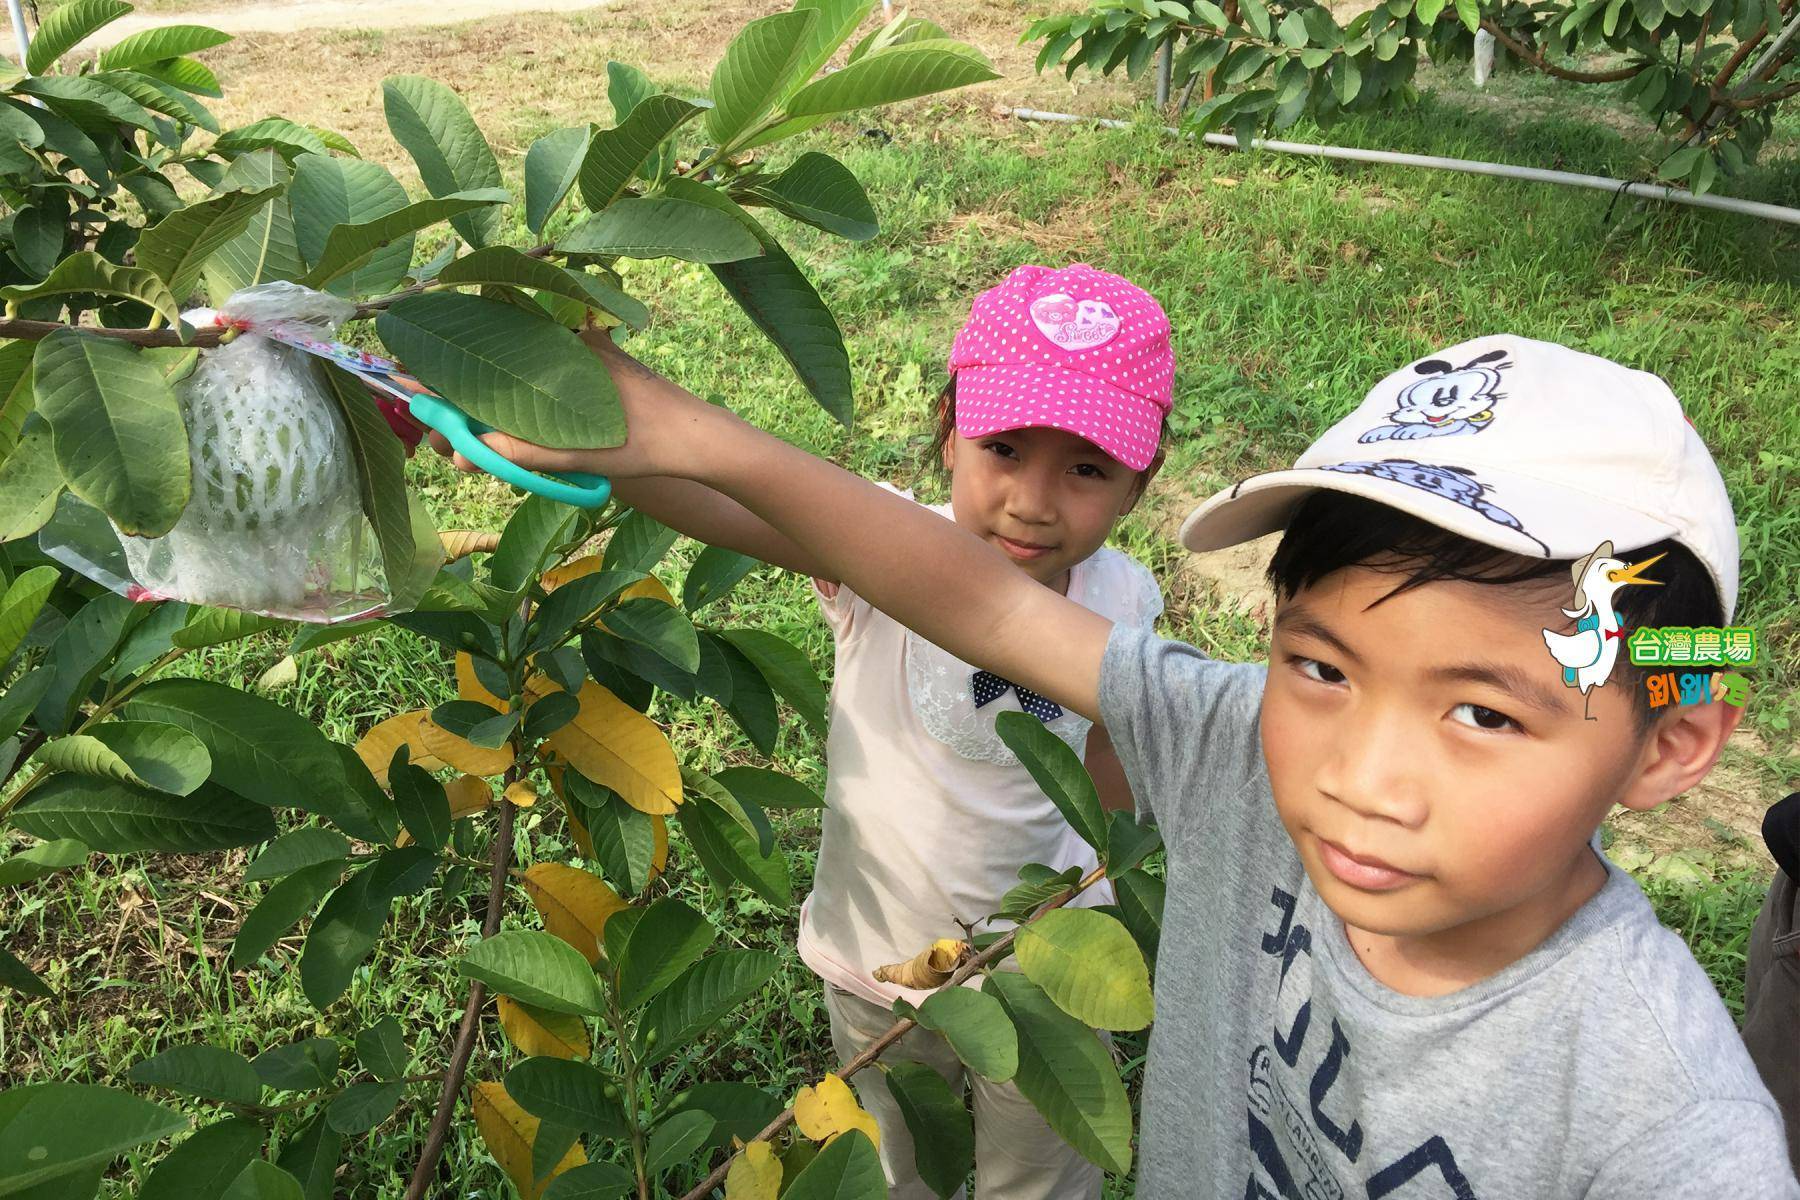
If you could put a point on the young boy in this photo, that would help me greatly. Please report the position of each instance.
(1394, 962)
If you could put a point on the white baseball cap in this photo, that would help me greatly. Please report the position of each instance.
(1518, 444)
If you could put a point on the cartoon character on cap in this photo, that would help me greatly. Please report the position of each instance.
(1448, 401)
(1587, 655)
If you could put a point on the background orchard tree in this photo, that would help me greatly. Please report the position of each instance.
(1710, 72)
(125, 203)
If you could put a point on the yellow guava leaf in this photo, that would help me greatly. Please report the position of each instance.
(650, 587)
(574, 904)
(460, 543)
(829, 1108)
(584, 841)
(521, 794)
(283, 674)
(461, 753)
(468, 795)
(537, 1031)
(469, 687)
(614, 744)
(928, 968)
(509, 1131)
(376, 747)
(659, 853)
(755, 1174)
(557, 576)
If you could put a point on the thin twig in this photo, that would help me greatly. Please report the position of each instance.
(902, 1027)
(1520, 50)
(1747, 103)
(1771, 61)
(27, 748)
(426, 1169)
(211, 335)
(1187, 93)
(310, 1100)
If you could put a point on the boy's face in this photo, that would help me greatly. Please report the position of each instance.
(1432, 769)
(1044, 497)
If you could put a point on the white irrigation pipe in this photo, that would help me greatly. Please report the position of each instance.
(1768, 56)
(1468, 166)
(19, 34)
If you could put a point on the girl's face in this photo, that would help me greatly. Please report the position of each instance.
(1045, 498)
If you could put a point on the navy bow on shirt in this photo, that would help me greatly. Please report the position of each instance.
(988, 687)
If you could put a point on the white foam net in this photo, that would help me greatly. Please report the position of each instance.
(275, 525)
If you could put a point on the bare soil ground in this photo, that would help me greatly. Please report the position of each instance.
(526, 66)
(289, 16)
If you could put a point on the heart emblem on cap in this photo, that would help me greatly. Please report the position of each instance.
(1074, 324)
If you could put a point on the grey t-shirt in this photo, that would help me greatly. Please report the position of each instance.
(1599, 1065)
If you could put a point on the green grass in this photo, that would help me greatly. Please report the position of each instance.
(1292, 286)
(1714, 917)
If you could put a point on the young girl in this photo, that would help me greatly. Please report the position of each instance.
(1049, 429)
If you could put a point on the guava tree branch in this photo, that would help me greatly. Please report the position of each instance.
(1521, 51)
(1719, 100)
(1746, 103)
(471, 1020)
(212, 335)
(901, 1028)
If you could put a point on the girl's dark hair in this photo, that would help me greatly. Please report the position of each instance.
(1333, 530)
(945, 429)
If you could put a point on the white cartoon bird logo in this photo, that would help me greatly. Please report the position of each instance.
(1587, 655)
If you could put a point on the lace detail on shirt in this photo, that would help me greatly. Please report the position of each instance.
(939, 684)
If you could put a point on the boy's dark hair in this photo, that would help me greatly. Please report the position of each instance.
(946, 429)
(1333, 530)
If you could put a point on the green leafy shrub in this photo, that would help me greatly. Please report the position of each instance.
(125, 202)
(1713, 72)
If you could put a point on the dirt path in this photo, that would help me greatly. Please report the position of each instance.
(289, 16)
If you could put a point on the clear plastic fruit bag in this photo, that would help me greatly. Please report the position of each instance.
(275, 524)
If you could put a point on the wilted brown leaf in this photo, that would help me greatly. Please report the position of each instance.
(929, 968)
(460, 543)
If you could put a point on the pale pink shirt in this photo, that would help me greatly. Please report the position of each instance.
(928, 815)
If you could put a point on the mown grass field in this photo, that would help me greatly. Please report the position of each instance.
(1291, 285)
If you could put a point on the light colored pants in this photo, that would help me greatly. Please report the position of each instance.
(1017, 1155)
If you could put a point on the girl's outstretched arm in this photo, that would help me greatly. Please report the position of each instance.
(925, 572)
(683, 505)
(694, 509)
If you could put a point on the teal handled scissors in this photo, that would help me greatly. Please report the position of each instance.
(464, 432)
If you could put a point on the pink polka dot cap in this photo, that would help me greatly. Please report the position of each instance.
(1076, 349)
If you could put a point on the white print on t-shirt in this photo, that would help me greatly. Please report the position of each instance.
(1293, 1134)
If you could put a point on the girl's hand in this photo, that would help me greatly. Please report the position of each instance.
(660, 419)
